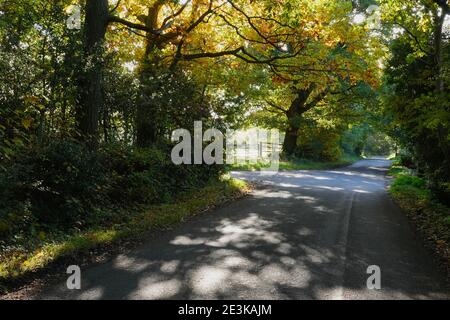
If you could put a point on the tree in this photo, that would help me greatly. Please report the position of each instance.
(417, 86)
(96, 23)
(334, 60)
(180, 38)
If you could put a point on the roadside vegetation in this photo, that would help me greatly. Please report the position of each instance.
(430, 217)
(415, 103)
(60, 217)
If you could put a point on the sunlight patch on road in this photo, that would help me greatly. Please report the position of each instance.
(330, 188)
(305, 232)
(208, 280)
(130, 264)
(361, 191)
(150, 289)
(170, 266)
(186, 241)
(306, 199)
(92, 294)
(284, 248)
(272, 194)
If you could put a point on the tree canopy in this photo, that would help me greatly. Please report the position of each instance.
(91, 91)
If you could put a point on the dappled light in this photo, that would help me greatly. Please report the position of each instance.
(284, 242)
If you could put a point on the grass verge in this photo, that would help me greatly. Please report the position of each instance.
(22, 264)
(430, 218)
(298, 164)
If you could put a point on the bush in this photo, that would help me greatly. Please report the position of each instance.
(431, 217)
(411, 186)
(65, 186)
(407, 180)
(406, 160)
(149, 176)
(54, 185)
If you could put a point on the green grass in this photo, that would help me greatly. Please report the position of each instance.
(412, 187)
(20, 263)
(409, 191)
(299, 164)
(397, 170)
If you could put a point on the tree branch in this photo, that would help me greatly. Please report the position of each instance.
(258, 32)
(344, 91)
(319, 97)
(413, 36)
(201, 18)
(194, 56)
(116, 6)
(176, 14)
(129, 24)
(138, 26)
(274, 105)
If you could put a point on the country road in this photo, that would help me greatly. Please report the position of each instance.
(300, 235)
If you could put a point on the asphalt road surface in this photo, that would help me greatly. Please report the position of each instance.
(301, 235)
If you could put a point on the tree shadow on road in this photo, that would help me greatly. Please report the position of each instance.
(284, 242)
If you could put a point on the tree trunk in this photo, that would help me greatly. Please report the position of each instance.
(297, 108)
(146, 127)
(146, 131)
(92, 80)
(290, 141)
(438, 52)
(439, 20)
